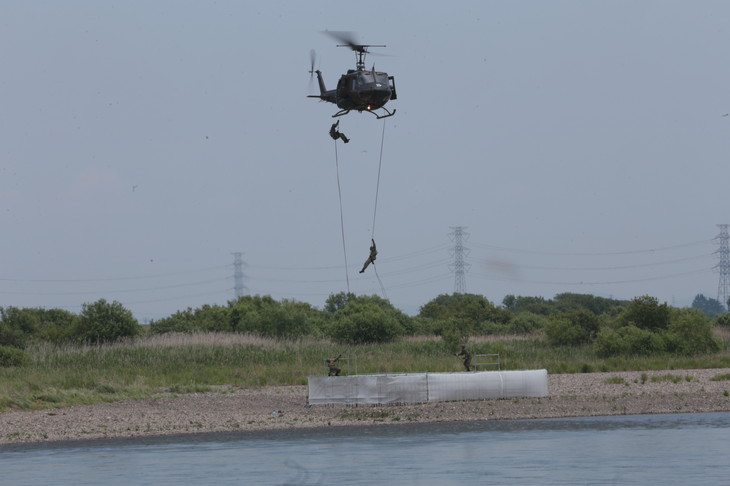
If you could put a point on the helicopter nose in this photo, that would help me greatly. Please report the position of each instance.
(376, 97)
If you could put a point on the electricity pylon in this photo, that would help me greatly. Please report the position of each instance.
(459, 252)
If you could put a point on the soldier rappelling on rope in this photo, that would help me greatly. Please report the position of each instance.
(335, 133)
(371, 258)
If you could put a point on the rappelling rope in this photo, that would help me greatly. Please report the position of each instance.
(342, 217)
(375, 209)
(377, 186)
(382, 288)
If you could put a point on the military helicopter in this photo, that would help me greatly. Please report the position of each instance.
(360, 89)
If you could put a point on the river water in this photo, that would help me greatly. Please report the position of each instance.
(624, 450)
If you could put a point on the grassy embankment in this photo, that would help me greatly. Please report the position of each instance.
(173, 364)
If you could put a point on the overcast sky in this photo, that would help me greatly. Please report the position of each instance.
(583, 145)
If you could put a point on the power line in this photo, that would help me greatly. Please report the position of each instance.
(611, 267)
(614, 282)
(412, 269)
(625, 252)
(391, 259)
(181, 297)
(119, 291)
(111, 279)
(403, 270)
(167, 299)
(420, 282)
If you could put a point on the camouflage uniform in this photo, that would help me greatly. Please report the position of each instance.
(371, 258)
(332, 365)
(335, 133)
(466, 356)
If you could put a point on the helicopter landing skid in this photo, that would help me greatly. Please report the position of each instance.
(345, 112)
(383, 116)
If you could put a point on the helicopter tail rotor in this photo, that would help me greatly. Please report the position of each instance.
(312, 58)
(323, 93)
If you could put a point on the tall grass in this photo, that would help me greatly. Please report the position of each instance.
(181, 363)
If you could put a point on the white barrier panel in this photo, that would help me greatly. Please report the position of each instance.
(444, 387)
(406, 388)
(426, 387)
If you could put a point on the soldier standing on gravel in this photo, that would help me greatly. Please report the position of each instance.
(466, 356)
(332, 366)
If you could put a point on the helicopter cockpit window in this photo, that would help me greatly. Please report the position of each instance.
(366, 78)
(381, 78)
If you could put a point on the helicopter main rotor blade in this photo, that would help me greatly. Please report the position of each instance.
(349, 39)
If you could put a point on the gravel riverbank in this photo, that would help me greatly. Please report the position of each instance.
(235, 409)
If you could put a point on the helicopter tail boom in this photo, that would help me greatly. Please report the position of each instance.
(324, 94)
(320, 81)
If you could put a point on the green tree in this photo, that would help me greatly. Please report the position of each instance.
(723, 319)
(474, 309)
(12, 333)
(104, 322)
(246, 313)
(628, 341)
(338, 301)
(609, 343)
(454, 332)
(180, 321)
(509, 302)
(645, 312)
(568, 301)
(12, 356)
(564, 302)
(641, 342)
(208, 318)
(55, 325)
(711, 307)
(18, 326)
(562, 332)
(290, 319)
(365, 323)
(526, 323)
(690, 332)
(536, 305)
(572, 328)
(268, 317)
(418, 326)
